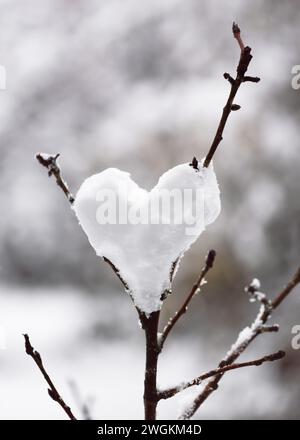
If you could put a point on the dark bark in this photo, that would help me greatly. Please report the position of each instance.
(235, 83)
(150, 325)
(52, 390)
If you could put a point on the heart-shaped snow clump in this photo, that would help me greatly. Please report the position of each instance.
(144, 233)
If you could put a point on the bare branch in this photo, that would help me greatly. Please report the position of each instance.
(269, 328)
(171, 323)
(229, 78)
(241, 344)
(166, 394)
(253, 79)
(237, 35)
(285, 292)
(52, 391)
(242, 68)
(50, 162)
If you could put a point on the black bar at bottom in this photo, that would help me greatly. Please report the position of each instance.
(98, 429)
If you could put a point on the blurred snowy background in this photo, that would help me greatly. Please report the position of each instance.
(138, 85)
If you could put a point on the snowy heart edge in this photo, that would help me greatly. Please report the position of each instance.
(148, 280)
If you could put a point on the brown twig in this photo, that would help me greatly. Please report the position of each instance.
(239, 347)
(171, 323)
(52, 391)
(285, 292)
(50, 162)
(237, 35)
(166, 394)
(269, 328)
(242, 67)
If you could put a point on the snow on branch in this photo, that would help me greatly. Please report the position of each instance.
(170, 392)
(244, 339)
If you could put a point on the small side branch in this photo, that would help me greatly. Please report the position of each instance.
(235, 83)
(220, 370)
(287, 290)
(253, 79)
(269, 328)
(50, 162)
(52, 390)
(209, 262)
(257, 328)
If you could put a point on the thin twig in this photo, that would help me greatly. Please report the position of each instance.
(50, 162)
(237, 35)
(242, 67)
(171, 323)
(166, 394)
(239, 347)
(52, 390)
(269, 328)
(289, 287)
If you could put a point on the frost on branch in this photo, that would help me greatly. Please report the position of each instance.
(254, 293)
(144, 244)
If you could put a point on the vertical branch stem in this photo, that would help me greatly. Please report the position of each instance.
(242, 68)
(150, 325)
